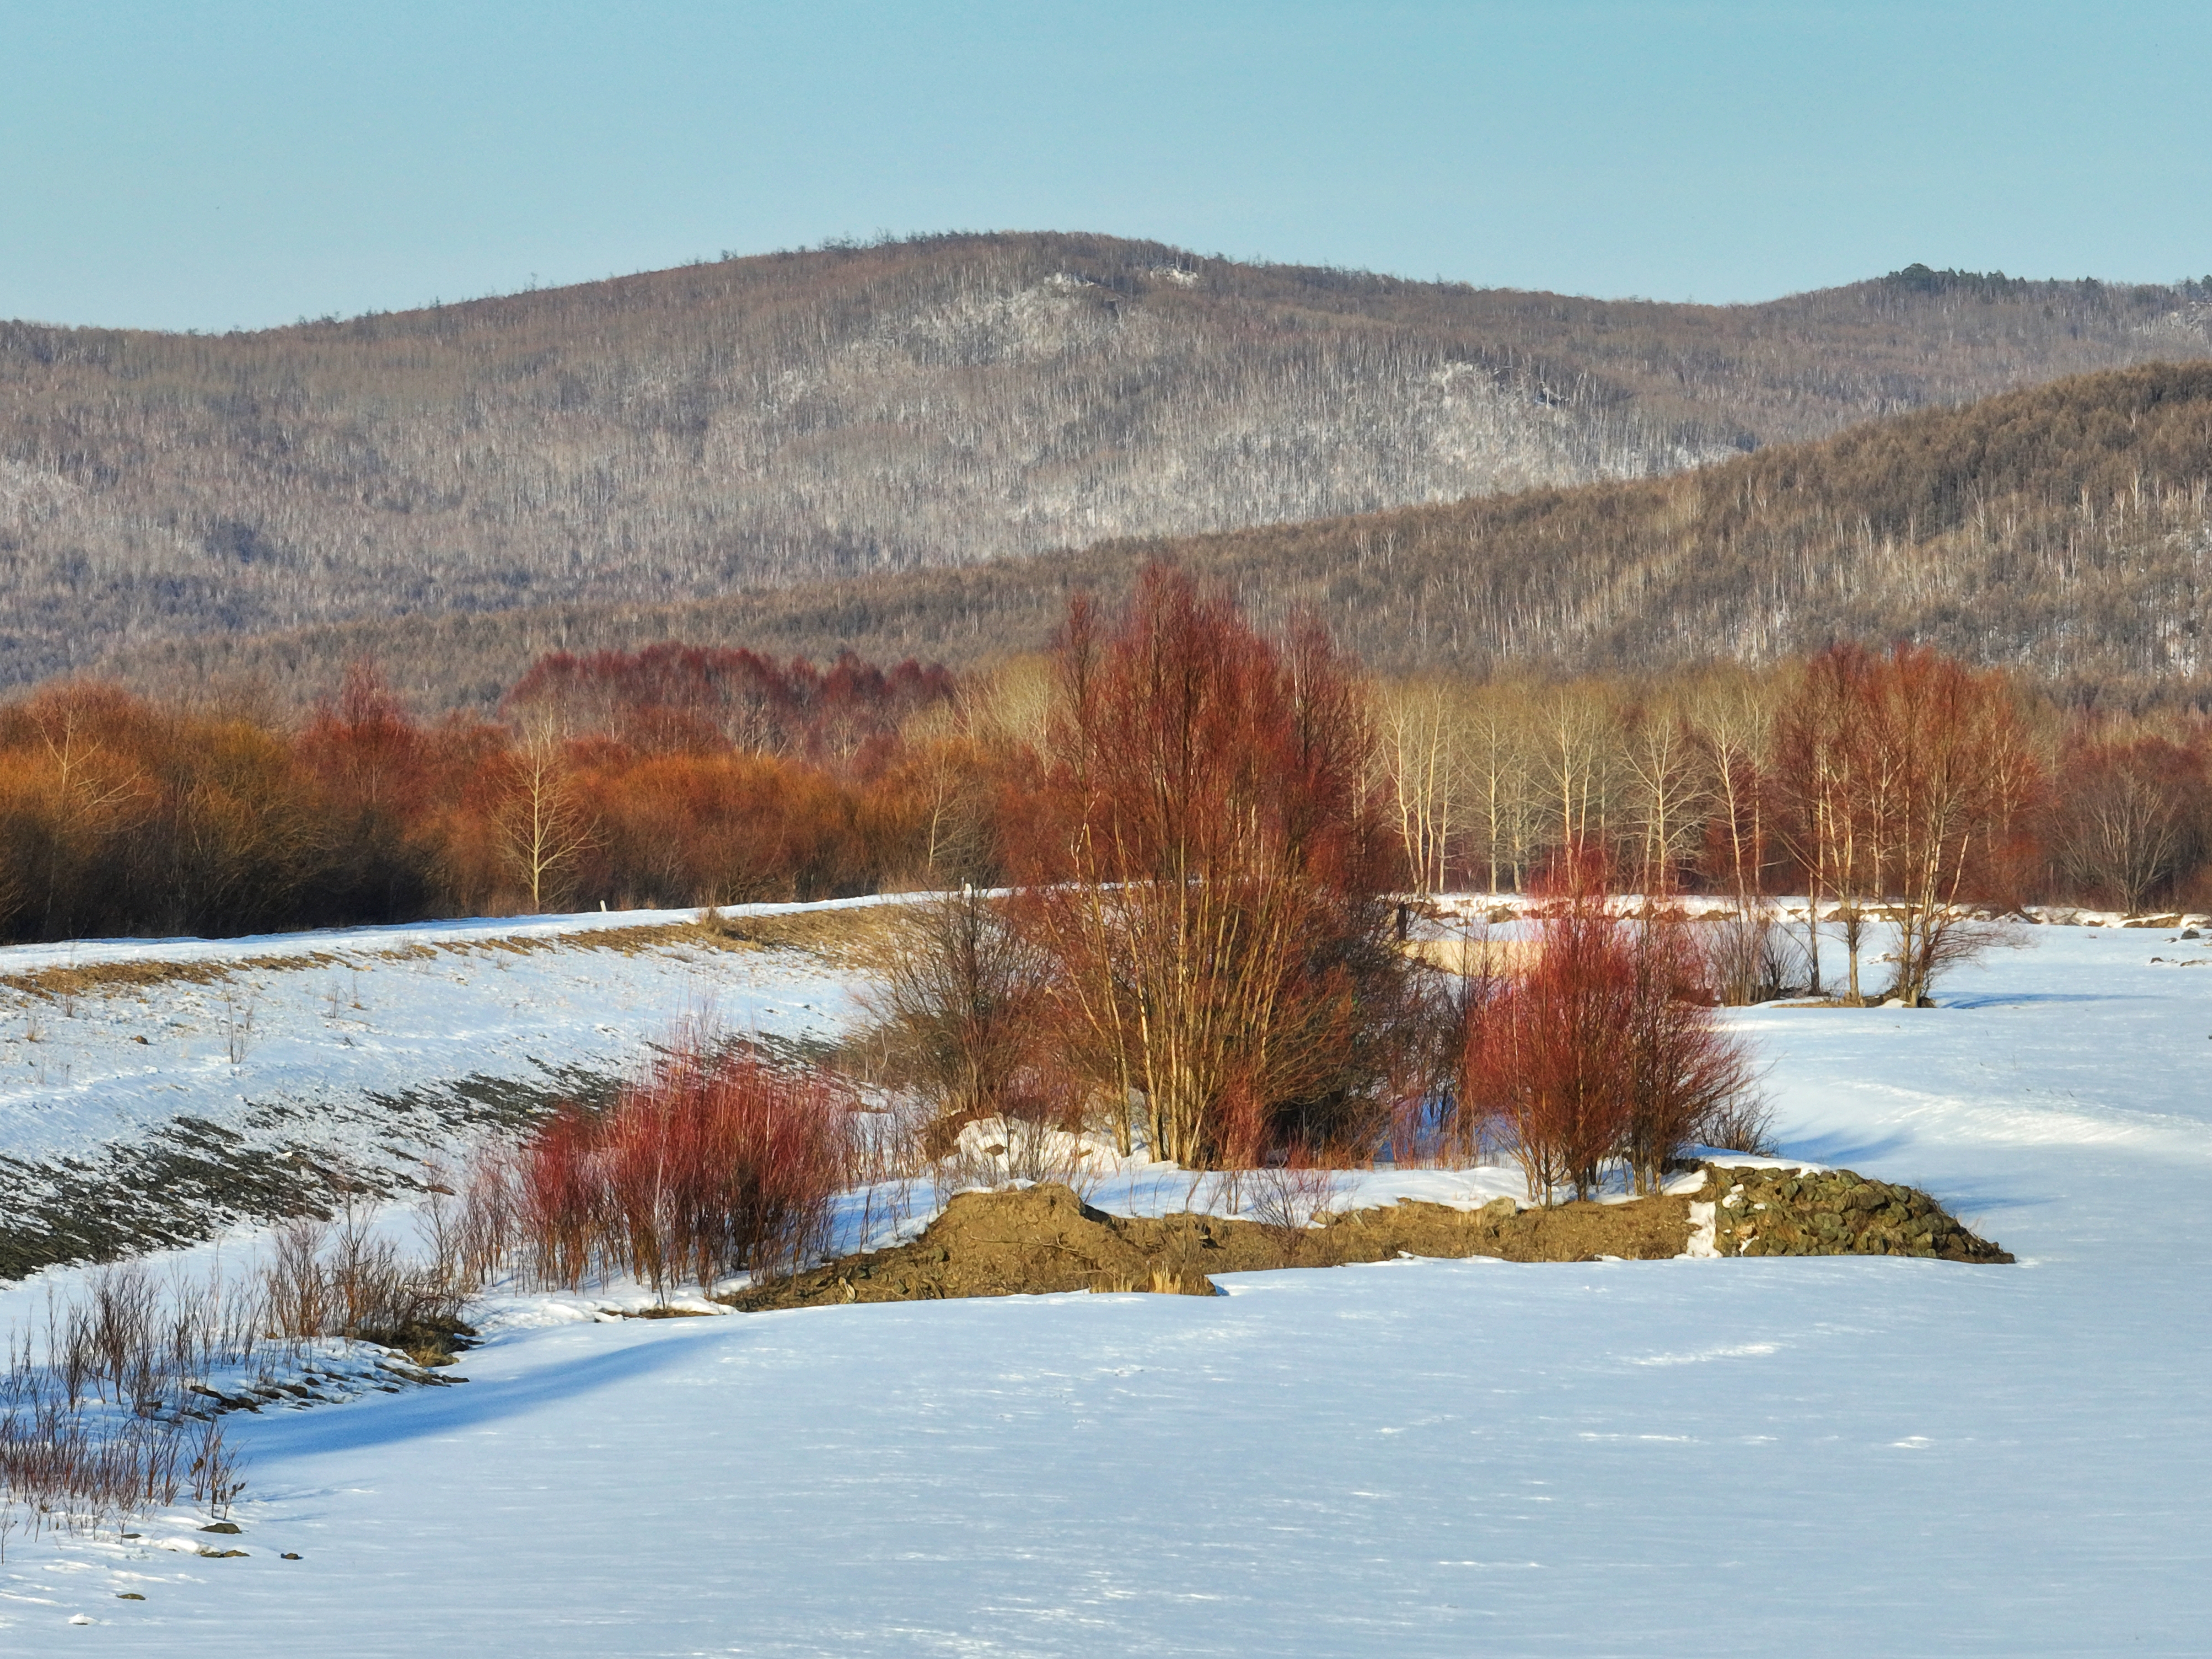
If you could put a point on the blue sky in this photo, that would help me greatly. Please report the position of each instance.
(237, 164)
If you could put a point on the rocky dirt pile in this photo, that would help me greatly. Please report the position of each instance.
(1769, 1212)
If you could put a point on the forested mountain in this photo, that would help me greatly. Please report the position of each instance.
(2065, 530)
(733, 427)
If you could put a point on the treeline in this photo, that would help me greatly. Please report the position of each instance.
(2064, 531)
(673, 696)
(848, 412)
(680, 776)
(607, 783)
(1854, 776)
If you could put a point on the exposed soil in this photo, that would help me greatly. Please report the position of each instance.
(1044, 1238)
(430, 1342)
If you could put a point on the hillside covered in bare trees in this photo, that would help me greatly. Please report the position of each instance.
(742, 425)
(2064, 531)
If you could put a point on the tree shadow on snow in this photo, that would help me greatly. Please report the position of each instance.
(1840, 1151)
(1981, 1197)
(434, 1410)
(1980, 1200)
(2028, 999)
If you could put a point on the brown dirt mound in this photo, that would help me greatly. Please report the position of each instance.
(1834, 1213)
(1044, 1238)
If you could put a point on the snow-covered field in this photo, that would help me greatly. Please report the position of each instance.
(1824, 1456)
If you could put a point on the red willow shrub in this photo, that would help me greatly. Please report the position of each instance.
(558, 1207)
(1685, 1076)
(1204, 873)
(1546, 1057)
(1604, 1048)
(711, 1163)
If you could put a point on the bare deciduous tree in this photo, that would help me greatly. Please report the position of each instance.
(962, 1002)
(1423, 771)
(2131, 818)
(1668, 794)
(541, 823)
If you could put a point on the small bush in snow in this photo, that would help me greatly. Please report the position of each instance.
(711, 1163)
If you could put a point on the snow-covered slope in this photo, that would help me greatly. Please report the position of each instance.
(371, 1011)
(1800, 1456)
(348, 1055)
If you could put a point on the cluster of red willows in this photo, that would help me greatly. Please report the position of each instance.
(710, 1163)
(1203, 876)
(1603, 1049)
(1202, 949)
(1199, 950)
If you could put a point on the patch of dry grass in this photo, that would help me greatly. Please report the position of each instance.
(113, 978)
(118, 978)
(852, 938)
(845, 938)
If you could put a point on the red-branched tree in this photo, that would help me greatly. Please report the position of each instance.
(1204, 867)
(374, 771)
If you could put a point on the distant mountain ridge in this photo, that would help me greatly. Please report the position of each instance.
(2065, 530)
(845, 412)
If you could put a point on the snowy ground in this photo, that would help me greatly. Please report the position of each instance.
(1822, 1456)
(362, 1052)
